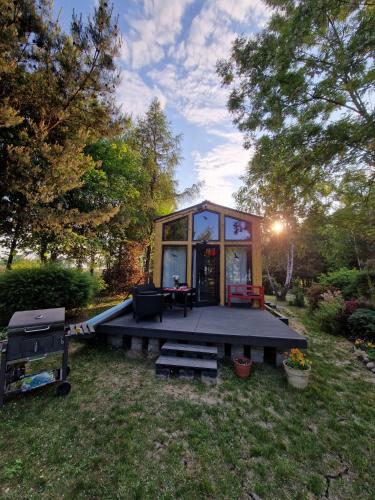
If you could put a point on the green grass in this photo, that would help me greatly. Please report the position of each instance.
(122, 434)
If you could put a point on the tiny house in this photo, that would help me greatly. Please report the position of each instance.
(208, 246)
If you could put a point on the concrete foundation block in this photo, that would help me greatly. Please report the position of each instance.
(162, 373)
(186, 375)
(279, 358)
(236, 351)
(153, 348)
(209, 378)
(257, 354)
(136, 346)
(220, 351)
(115, 341)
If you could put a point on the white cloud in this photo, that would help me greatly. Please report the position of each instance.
(157, 28)
(134, 95)
(244, 10)
(220, 169)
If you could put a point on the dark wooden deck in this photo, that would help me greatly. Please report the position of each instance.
(219, 325)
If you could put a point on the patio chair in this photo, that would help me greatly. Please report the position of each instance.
(146, 288)
(147, 305)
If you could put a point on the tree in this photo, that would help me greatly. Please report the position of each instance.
(300, 91)
(160, 151)
(306, 80)
(56, 96)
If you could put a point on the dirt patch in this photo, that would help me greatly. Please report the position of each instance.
(188, 392)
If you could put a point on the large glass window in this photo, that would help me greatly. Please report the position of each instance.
(176, 230)
(206, 226)
(237, 266)
(174, 264)
(236, 229)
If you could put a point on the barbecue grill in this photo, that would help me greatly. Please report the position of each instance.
(34, 335)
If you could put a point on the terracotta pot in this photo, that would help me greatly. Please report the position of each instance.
(297, 378)
(242, 370)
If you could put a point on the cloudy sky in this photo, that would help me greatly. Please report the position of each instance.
(170, 48)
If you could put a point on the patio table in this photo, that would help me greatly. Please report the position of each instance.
(184, 291)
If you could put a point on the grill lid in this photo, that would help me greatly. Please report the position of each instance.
(37, 318)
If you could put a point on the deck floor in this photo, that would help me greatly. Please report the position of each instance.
(211, 324)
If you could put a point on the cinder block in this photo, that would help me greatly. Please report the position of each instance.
(136, 345)
(186, 375)
(220, 351)
(209, 377)
(279, 357)
(115, 341)
(153, 347)
(257, 354)
(236, 351)
(162, 373)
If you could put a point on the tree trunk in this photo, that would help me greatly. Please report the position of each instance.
(356, 252)
(289, 272)
(148, 262)
(54, 255)
(92, 262)
(43, 251)
(13, 246)
(271, 280)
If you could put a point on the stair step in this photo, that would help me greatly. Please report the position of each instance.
(190, 348)
(182, 362)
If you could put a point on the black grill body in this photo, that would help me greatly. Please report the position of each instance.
(32, 335)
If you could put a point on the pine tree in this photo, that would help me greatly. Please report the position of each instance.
(56, 94)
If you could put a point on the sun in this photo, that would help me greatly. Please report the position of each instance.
(277, 227)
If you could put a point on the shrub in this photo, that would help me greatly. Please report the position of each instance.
(343, 279)
(362, 323)
(365, 284)
(298, 295)
(45, 287)
(330, 313)
(315, 295)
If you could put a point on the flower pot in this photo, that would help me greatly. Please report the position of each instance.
(242, 367)
(297, 378)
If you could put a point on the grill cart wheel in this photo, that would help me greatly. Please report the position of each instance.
(63, 389)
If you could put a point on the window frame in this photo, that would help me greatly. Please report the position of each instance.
(249, 248)
(240, 220)
(193, 224)
(171, 222)
(162, 261)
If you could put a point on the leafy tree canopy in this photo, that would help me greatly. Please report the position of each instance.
(301, 92)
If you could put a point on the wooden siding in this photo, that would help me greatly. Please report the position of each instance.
(254, 244)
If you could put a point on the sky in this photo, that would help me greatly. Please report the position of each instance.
(169, 50)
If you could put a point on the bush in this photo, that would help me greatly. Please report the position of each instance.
(298, 295)
(365, 284)
(362, 323)
(315, 295)
(343, 279)
(330, 313)
(45, 287)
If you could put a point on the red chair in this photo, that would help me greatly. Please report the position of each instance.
(246, 292)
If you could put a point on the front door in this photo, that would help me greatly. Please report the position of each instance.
(207, 274)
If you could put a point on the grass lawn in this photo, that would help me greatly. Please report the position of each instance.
(122, 434)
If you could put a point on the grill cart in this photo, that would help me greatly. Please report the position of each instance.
(34, 335)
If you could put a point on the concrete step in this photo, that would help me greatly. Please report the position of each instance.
(194, 350)
(184, 362)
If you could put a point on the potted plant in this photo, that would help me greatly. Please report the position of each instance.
(242, 366)
(297, 368)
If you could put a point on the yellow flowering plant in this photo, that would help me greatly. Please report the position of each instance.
(296, 359)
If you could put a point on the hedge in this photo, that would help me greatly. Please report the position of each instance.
(43, 287)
